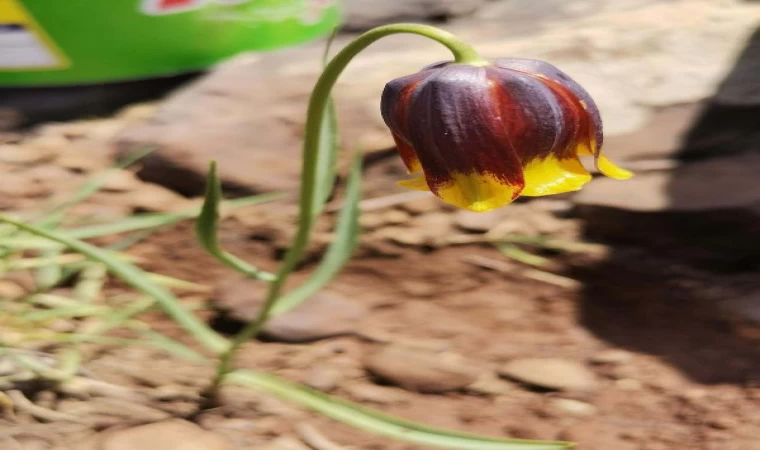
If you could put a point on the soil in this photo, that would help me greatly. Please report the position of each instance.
(688, 378)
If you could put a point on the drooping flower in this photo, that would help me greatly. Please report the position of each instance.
(481, 136)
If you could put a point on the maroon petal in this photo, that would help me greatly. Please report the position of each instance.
(572, 90)
(456, 128)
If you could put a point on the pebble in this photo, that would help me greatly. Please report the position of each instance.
(323, 378)
(420, 371)
(574, 407)
(170, 434)
(488, 384)
(611, 357)
(550, 373)
(324, 315)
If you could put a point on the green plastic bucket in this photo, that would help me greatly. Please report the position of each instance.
(79, 42)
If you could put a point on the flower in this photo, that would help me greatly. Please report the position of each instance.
(484, 135)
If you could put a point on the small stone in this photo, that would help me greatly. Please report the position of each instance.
(612, 357)
(420, 371)
(324, 315)
(489, 384)
(478, 222)
(323, 378)
(550, 373)
(574, 407)
(170, 435)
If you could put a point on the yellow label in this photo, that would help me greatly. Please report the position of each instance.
(24, 45)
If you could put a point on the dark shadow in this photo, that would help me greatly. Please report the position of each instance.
(26, 106)
(682, 284)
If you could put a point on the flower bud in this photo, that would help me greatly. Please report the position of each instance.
(484, 135)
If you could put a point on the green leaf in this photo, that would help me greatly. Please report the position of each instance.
(381, 423)
(327, 159)
(206, 228)
(137, 279)
(329, 142)
(339, 252)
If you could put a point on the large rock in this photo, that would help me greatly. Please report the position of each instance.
(637, 60)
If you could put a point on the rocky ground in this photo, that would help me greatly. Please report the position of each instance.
(632, 325)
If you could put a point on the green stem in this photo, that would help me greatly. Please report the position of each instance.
(320, 97)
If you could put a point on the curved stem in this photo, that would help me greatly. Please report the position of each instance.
(320, 96)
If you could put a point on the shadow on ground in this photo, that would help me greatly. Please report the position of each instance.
(661, 290)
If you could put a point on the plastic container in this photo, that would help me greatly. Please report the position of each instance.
(54, 43)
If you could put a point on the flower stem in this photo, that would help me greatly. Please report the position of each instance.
(320, 96)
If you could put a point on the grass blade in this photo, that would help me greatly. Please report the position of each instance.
(137, 279)
(380, 423)
(207, 227)
(339, 252)
(156, 220)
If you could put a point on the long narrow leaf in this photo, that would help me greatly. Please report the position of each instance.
(327, 159)
(380, 423)
(207, 228)
(137, 279)
(339, 252)
(328, 146)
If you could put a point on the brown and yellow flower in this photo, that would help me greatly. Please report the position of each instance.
(484, 135)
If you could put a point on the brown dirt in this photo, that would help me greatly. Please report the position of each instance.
(692, 382)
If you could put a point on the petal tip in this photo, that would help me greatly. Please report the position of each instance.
(610, 169)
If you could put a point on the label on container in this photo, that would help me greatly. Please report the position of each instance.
(23, 44)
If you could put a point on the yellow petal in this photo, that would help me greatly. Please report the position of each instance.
(609, 169)
(477, 192)
(416, 183)
(554, 176)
